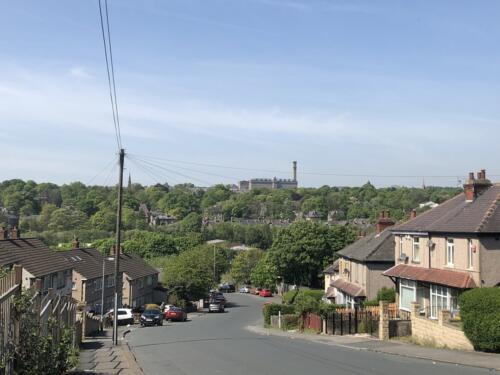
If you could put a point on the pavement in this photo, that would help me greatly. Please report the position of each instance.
(99, 356)
(234, 343)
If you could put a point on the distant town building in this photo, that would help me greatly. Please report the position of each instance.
(270, 183)
(155, 218)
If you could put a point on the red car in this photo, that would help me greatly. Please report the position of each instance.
(265, 293)
(176, 313)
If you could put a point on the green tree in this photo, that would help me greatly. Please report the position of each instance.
(265, 273)
(66, 219)
(243, 265)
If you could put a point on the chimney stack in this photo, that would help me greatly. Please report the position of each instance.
(295, 171)
(413, 214)
(15, 233)
(3, 233)
(473, 188)
(75, 243)
(384, 221)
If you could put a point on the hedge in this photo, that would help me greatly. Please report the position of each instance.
(273, 309)
(480, 313)
(291, 296)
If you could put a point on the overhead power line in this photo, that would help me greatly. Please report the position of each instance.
(312, 173)
(110, 71)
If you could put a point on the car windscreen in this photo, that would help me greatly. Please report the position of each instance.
(121, 312)
(151, 312)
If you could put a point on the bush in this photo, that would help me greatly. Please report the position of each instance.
(274, 309)
(326, 308)
(289, 297)
(386, 294)
(306, 304)
(289, 321)
(292, 296)
(480, 313)
(370, 302)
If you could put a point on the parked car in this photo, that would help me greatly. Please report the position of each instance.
(215, 307)
(125, 316)
(176, 314)
(151, 317)
(244, 289)
(227, 288)
(265, 293)
(167, 308)
(257, 291)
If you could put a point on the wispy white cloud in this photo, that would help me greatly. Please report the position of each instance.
(79, 72)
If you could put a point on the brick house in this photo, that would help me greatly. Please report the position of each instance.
(140, 280)
(38, 262)
(448, 249)
(362, 263)
(87, 279)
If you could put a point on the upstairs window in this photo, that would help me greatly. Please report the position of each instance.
(416, 249)
(470, 254)
(450, 252)
(400, 246)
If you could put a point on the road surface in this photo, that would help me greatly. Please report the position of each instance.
(220, 344)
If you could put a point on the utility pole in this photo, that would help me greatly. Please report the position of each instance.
(117, 248)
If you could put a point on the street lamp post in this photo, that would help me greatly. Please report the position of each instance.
(215, 242)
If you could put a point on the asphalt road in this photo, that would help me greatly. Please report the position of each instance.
(219, 344)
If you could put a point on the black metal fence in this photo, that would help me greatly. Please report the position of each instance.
(352, 322)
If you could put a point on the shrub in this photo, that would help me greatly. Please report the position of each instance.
(292, 296)
(480, 313)
(370, 302)
(386, 294)
(289, 321)
(306, 304)
(289, 297)
(274, 309)
(326, 308)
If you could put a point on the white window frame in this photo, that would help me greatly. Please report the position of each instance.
(409, 285)
(98, 283)
(450, 252)
(415, 244)
(470, 254)
(400, 246)
(448, 298)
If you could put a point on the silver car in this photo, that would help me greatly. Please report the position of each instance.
(215, 307)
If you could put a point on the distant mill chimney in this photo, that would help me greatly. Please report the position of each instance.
(384, 222)
(295, 171)
(473, 188)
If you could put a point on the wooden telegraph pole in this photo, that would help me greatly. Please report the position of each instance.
(118, 249)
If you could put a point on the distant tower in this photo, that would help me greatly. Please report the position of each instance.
(423, 183)
(295, 171)
(129, 183)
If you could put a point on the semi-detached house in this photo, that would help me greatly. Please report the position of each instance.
(448, 249)
(37, 260)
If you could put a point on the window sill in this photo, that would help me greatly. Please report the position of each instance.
(415, 261)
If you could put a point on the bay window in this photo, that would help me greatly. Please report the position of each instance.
(407, 293)
(442, 298)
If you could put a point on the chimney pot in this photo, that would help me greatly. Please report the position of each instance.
(471, 175)
(3, 233)
(384, 221)
(75, 243)
(15, 233)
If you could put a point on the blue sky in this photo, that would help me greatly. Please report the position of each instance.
(390, 88)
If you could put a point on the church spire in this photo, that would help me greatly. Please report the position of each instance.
(129, 182)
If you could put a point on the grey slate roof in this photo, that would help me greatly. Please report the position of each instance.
(372, 248)
(458, 216)
(88, 262)
(33, 255)
(332, 268)
(135, 267)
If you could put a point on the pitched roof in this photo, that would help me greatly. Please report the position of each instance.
(31, 253)
(376, 247)
(88, 262)
(456, 279)
(349, 288)
(135, 267)
(456, 215)
(332, 268)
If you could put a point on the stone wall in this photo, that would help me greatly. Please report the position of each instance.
(439, 332)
